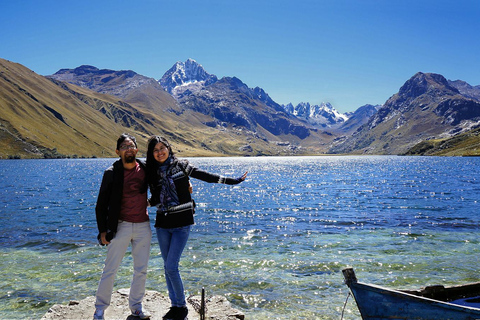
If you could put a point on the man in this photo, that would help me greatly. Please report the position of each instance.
(122, 218)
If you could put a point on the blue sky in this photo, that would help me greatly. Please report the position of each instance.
(346, 52)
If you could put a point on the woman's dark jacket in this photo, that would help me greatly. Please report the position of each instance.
(109, 198)
(182, 214)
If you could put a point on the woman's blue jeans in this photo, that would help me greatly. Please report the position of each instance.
(172, 242)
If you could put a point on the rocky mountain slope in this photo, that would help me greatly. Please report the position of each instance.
(256, 123)
(462, 144)
(231, 103)
(426, 107)
(189, 94)
(126, 85)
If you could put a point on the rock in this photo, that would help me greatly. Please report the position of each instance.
(246, 148)
(217, 308)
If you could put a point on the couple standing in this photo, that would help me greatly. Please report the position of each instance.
(122, 218)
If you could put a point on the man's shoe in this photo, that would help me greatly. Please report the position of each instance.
(98, 315)
(182, 313)
(141, 314)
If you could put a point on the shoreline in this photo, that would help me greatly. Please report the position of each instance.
(217, 307)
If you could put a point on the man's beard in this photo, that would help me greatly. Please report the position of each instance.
(129, 159)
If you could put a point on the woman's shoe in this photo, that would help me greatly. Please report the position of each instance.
(182, 313)
(170, 315)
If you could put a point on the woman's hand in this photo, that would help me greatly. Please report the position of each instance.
(243, 177)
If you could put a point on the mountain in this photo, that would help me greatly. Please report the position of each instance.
(234, 106)
(176, 119)
(115, 83)
(126, 85)
(323, 115)
(463, 144)
(231, 103)
(472, 92)
(426, 107)
(147, 97)
(358, 118)
(183, 74)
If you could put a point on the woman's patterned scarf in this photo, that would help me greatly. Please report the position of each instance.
(168, 192)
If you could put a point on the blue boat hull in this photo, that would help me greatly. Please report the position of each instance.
(378, 303)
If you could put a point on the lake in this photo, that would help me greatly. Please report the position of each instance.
(274, 245)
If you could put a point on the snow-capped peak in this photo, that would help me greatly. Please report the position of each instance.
(324, 113)
(183, 73)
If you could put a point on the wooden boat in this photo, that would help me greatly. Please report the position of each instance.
(434, 302)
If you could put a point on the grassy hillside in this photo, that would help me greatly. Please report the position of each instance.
(43, 118)
(37, 113)
(40, 117)
(465, 144)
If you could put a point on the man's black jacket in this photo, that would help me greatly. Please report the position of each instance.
(109, 198)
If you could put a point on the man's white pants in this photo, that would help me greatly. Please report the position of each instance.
(140, 236)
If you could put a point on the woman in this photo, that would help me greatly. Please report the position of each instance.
(168, 178)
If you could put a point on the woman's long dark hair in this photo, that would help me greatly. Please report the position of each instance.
(151, 162)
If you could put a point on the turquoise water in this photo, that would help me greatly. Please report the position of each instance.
(275, 245)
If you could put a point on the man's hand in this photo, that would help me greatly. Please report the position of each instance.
(103, 238)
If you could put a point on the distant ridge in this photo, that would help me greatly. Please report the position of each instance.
(116, 83)
(127, 85)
